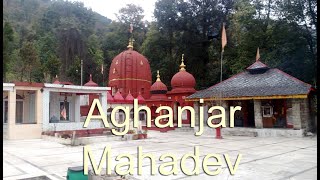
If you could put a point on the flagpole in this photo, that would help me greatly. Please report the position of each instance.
(223, 43)
(221, 57)
(103, 79)
(102, 72)
(221, 65)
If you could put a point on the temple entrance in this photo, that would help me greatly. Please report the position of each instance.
(251, 114)
(175, 112)
(245, 117)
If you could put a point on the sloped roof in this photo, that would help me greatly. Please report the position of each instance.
(266, 83)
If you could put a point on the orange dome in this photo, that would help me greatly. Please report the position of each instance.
(130, 71)
(56, 80)
(183, 81)
(158, 86)
(91, 83)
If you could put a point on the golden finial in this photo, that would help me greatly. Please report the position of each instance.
(258, 55)
(158, 76)
(182, 66)
(130, 46)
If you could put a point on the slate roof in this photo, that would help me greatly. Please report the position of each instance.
(257, 80)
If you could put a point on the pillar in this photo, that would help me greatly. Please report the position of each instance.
(296, 118)
(46, 110)
(38, 106)
(103, 101)
(257, 114)
(227, 111)
(205, 113)
(196, 113)
(11, 113)
(76, 99)
(305, 115)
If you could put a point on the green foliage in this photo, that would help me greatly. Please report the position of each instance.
(7, 39)
(75, 71)
(30, 64)
(53, 37)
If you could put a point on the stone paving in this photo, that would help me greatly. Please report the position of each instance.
(262, 158)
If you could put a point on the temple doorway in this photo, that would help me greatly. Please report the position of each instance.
(251, 114)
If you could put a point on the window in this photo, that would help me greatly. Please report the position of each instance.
(267, 111)
(121, 117)
(64, 111)
(109, 111)
(19, 111)
(131, 113)
(142, 115)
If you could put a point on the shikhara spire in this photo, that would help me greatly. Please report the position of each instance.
(158, 76)
(182, 66)
(131, 40)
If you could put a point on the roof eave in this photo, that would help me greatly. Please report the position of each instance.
(296, 96)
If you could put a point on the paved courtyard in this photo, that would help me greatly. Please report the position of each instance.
(262, 158)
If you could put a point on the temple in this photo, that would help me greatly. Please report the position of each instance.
(269, 98)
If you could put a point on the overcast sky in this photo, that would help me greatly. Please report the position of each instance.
(109, 7)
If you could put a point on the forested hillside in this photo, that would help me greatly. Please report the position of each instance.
(44, 38)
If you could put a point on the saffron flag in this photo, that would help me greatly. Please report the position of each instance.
(223, 37)
(258, 55)
(64, 113)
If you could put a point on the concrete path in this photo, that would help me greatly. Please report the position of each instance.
(262, 158)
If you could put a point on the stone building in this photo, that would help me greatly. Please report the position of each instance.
(269, 97)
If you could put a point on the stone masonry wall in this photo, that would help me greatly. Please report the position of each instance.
(305, 114)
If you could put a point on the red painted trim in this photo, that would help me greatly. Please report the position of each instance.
(66, 83)
(32, 84)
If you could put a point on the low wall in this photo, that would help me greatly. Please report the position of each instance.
(254, 132)
(24, 131)
(82, 140)
(63, 126)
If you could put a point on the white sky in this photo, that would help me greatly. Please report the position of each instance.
(108, 8)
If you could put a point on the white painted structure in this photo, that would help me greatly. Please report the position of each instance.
(31, 108)
(54, 94)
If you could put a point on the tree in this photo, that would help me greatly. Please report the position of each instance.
(7, 46)
(131, 14)
(304, 14)
(30, 60)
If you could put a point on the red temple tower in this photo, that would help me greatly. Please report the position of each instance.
(130, 71)
(182, 84)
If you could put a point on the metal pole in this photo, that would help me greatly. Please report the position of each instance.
(81, 72)
(221, 65)
(221, 74)
(218, 129)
